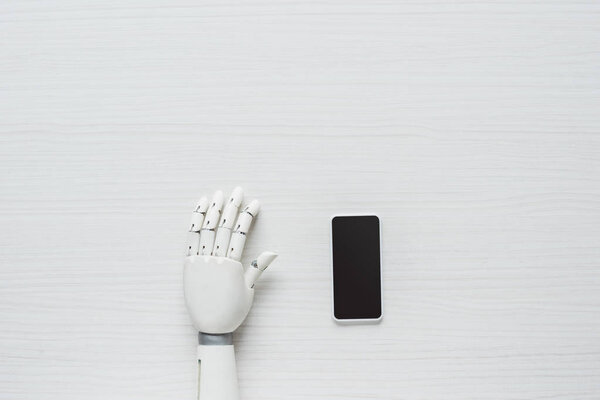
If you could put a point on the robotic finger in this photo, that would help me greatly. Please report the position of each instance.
(193, 241)
(196, 225)
(198, 215)
(207, 233)
(242, 226)
(227, 221)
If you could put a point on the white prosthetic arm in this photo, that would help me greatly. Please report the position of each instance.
(218, 290)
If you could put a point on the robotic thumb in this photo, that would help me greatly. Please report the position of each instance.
(258, 266)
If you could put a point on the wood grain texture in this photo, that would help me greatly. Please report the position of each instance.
(472, 128)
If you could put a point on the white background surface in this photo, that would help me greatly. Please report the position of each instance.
(471, 128)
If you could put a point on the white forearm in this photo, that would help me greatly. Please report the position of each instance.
(217, 375)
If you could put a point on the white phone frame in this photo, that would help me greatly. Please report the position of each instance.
(357, 320)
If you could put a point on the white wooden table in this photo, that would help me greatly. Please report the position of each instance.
(472, 128)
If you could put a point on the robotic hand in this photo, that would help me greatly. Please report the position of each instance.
(218, 290)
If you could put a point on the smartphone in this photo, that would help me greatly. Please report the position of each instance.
(356, 268)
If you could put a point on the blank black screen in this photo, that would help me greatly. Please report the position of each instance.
(356, 267)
